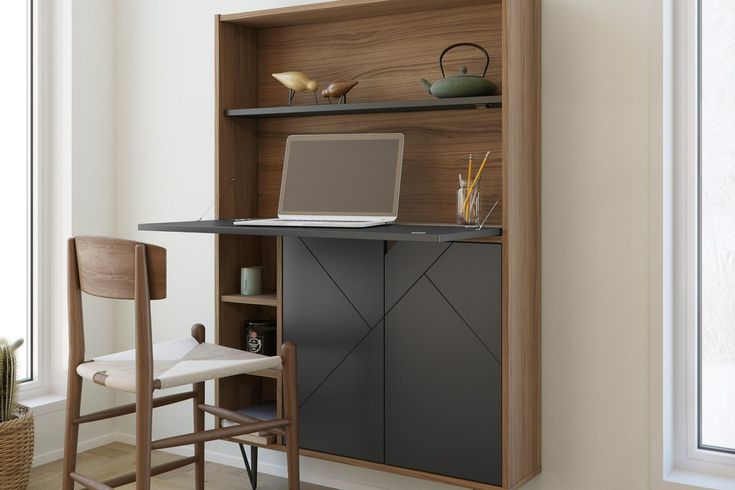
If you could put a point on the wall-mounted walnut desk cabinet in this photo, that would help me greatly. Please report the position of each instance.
(433, 341)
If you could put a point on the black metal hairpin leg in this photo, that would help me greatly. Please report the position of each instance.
(252, 472)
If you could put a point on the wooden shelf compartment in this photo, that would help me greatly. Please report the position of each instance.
(265, 299)
(247, 390)
(458, 103)
(250, 389)
(261, 411)
(233, 310)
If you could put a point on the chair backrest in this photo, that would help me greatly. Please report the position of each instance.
(106, 267)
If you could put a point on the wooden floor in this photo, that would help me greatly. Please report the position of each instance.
(116, 458)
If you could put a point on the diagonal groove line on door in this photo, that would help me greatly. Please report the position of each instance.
(395, 303)
(335, 283)
(463, 320)
(382, 319)
(335, 367)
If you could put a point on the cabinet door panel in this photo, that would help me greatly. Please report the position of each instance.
(469, 277)
(344, 416)
(443, 401)
(340, 352)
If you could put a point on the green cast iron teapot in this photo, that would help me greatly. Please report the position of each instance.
(462, 84)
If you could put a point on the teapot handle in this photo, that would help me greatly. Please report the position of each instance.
(487, 56)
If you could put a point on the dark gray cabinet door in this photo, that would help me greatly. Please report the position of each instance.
(443, 385)
(332, 310)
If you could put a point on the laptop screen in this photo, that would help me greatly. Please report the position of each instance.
(342, 175)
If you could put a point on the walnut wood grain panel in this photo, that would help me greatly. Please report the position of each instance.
(236, 157)
(522, 239)
(435, 152)
(236, 151)
(269, 259)
(341, 10)
(387, 54)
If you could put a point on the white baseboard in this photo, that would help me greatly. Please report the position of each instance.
(57, 454)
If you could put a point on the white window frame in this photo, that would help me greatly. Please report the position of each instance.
(676, 460)
(39, 384)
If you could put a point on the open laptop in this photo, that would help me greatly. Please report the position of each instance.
(339, 180)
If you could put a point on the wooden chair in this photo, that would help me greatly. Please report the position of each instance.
(123, 269)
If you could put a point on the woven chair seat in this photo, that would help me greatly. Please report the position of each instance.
(175, 363)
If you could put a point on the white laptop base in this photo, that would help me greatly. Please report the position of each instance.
(312, 223)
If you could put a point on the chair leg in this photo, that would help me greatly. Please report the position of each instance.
(199, 334)
(71, 432)
(143, 436)
(199, 427)
(291, 407)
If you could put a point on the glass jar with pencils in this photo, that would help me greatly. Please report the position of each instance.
(468, 194)
(468, 203)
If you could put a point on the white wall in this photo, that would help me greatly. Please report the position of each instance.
(595, 245)
(595, 208)
(78, 177)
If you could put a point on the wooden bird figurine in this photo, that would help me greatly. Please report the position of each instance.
(295, 81)
(339, 89)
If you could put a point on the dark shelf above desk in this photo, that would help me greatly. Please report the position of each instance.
(397, 232)
(370, 107)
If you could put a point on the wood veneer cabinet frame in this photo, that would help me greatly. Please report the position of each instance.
(388, 45)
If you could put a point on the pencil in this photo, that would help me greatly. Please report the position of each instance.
(469, 178)
(472, 186)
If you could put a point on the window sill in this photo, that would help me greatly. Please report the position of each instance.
(691, 480)
(44, 404)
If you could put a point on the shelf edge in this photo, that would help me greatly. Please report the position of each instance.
(267, 299)
(424, 105)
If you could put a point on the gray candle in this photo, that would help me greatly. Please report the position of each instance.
(250, 280)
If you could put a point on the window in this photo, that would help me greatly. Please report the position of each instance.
(17, 185)
(692, 254)
(716, 230)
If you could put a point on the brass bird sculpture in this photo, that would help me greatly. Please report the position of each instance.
(295, 81)
(339, 89)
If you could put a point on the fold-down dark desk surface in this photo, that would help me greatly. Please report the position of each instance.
(397, 232)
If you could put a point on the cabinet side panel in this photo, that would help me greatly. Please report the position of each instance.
(236, 163)
(522, 238)
(236, 85)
